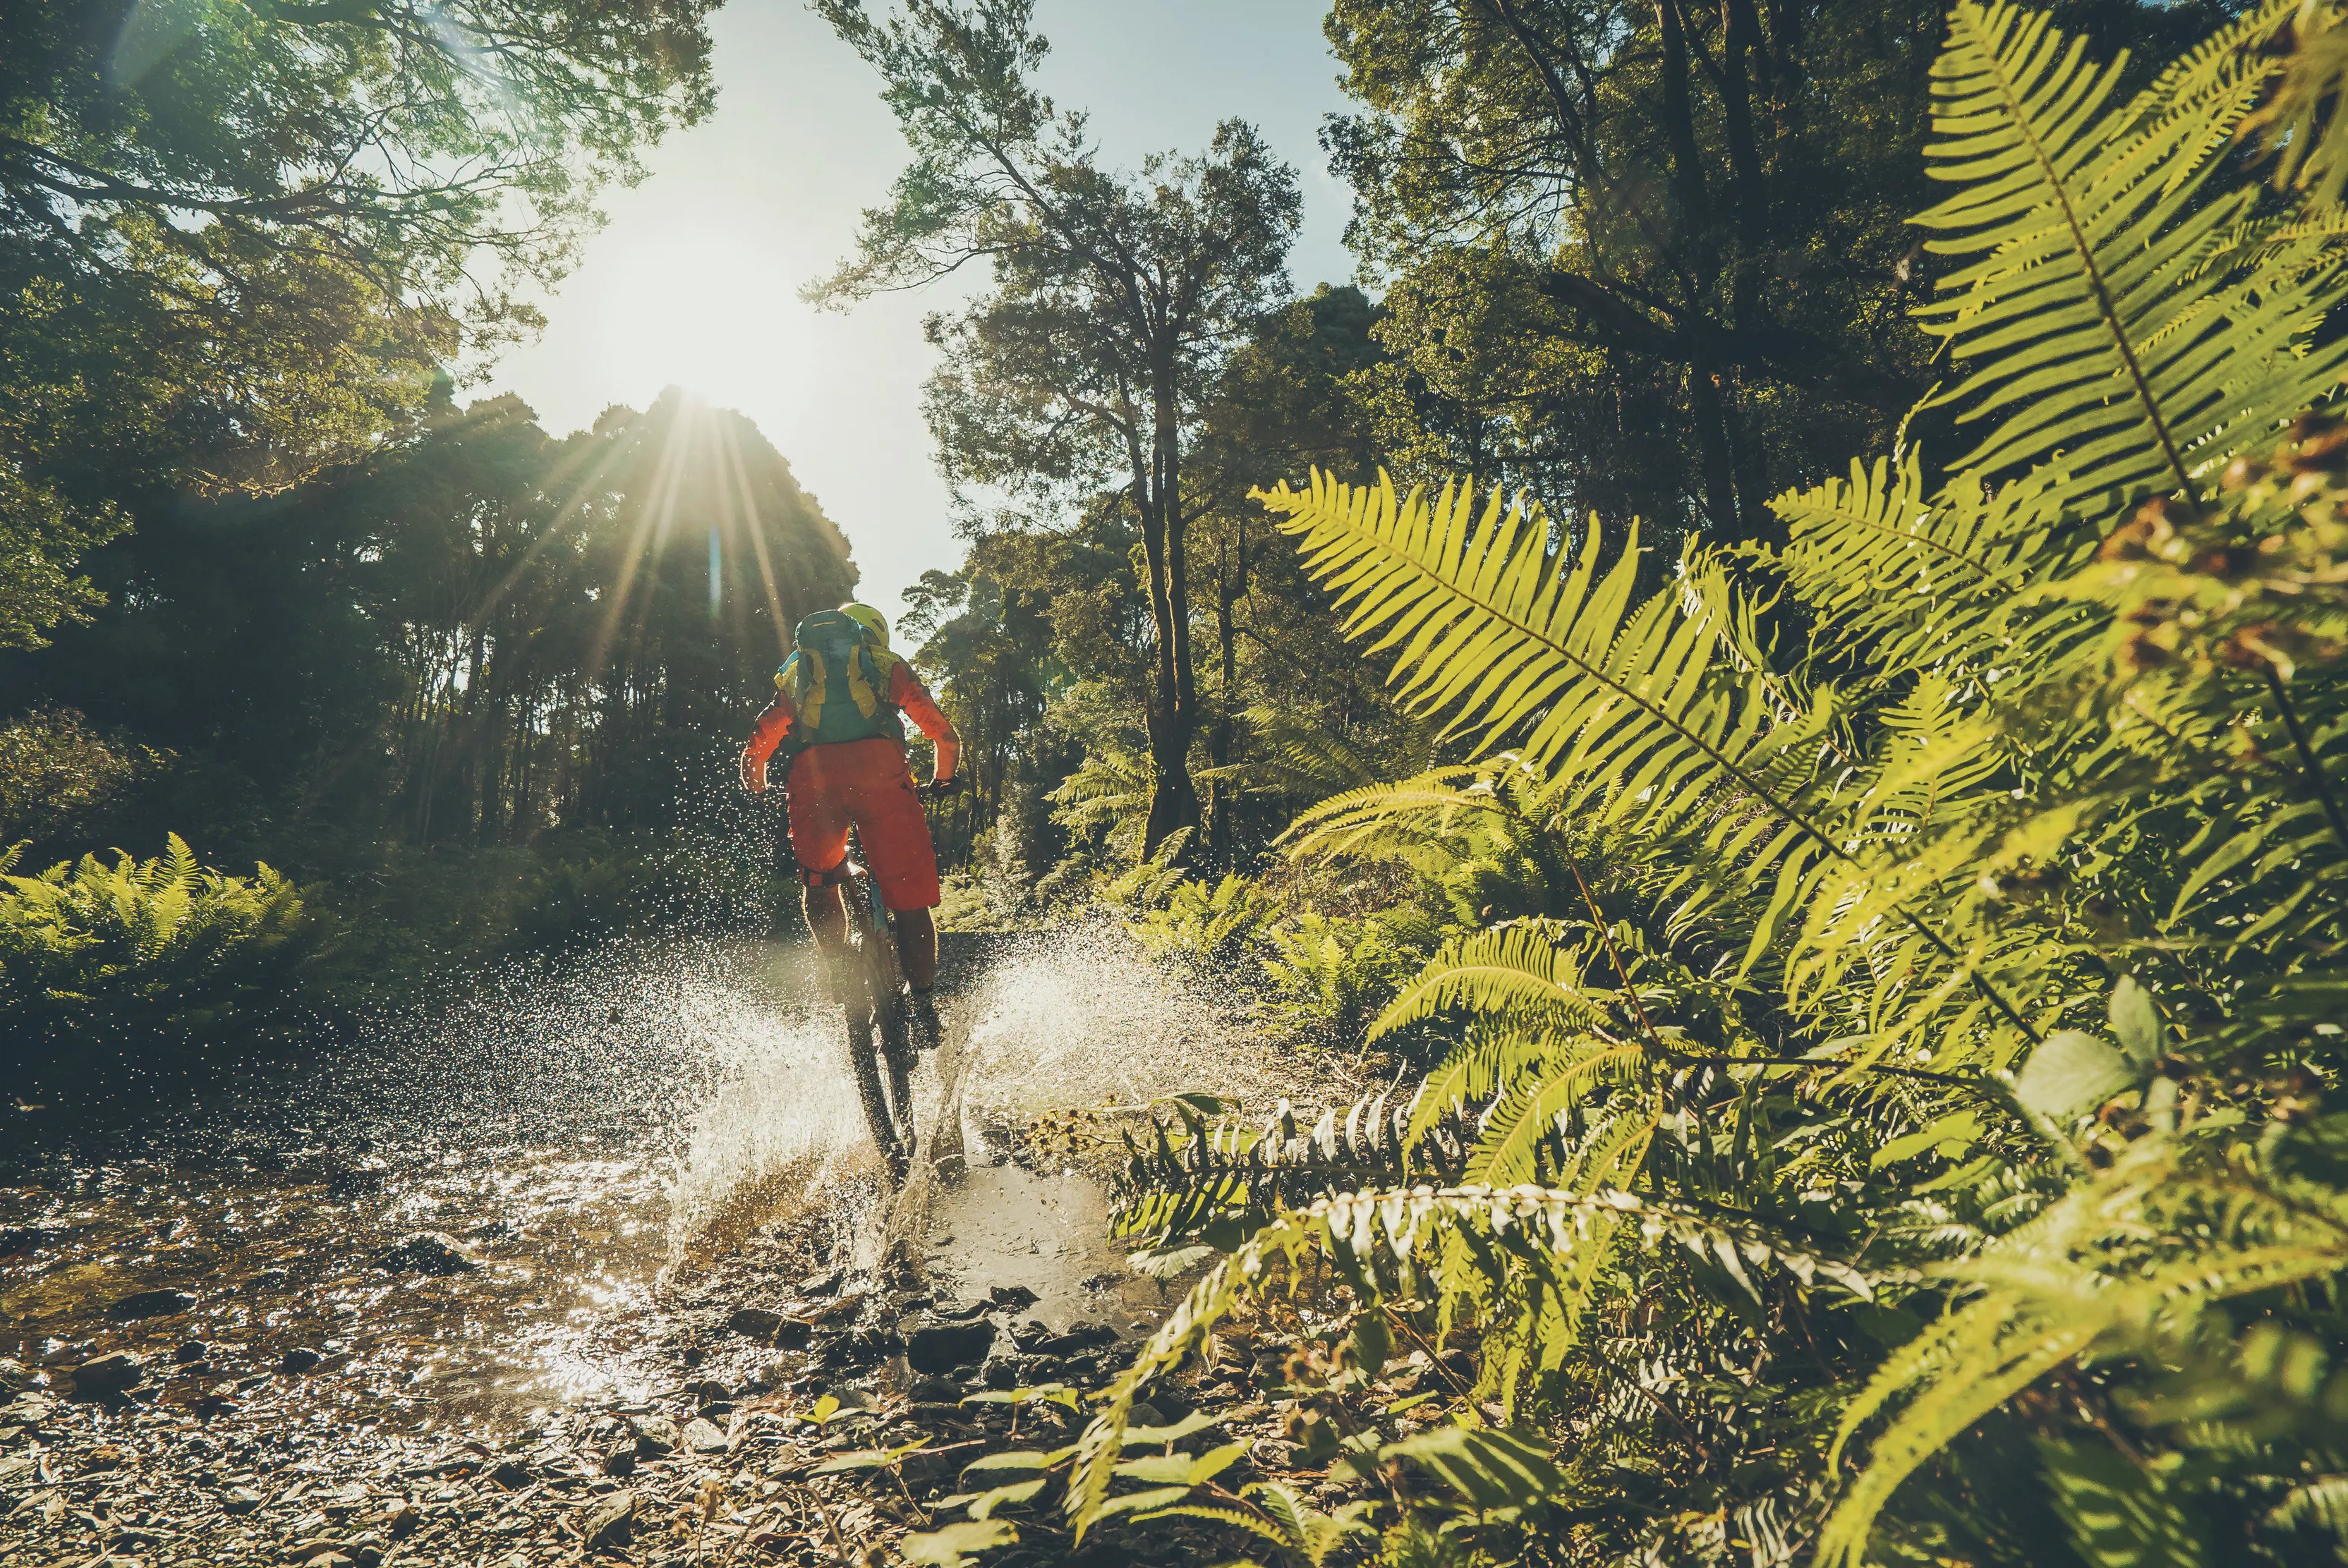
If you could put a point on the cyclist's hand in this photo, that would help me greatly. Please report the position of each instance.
(754, 775)
(938, 789)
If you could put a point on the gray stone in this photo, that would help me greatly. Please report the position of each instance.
(609, 1522)
(109, 1375)
(14, 1374)
(943, 1347)
(426, 1252)
(239, 1499)
(702, 1437)
(655, 1436)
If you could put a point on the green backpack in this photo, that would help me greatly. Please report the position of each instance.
(839, 679)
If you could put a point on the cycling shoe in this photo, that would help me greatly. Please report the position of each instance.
(922, 1018)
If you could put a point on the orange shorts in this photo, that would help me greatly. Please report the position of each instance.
(866, 783)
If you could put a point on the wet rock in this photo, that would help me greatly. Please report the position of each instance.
(1030, 1334)
(822, 1284)
(620, 1462)
(1003, 1372)
(15, 1239)
(152, 1304)
(1079, 1336)
(703, 1438)
(109, 1376)
(860, 1347)
(190, 1352)
(943, 1347)
(402, 1519)
(239, 1499)
(759, 1323)
(1012, 1297)
(300, 1359)
(655, 1436)
(268, 1279)
(14, 1374)
(511, 1474)
(609, 1522)
(426, 1252)
(959, 1311)
(708, 1391)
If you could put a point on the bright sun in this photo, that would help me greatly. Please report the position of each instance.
(706, 311)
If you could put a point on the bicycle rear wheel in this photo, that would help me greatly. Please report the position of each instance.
(879, 1038)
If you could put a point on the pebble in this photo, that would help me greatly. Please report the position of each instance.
(702, 1437)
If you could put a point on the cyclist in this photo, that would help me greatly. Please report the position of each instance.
(838, 699)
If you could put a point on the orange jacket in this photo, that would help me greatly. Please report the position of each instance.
(905, 692)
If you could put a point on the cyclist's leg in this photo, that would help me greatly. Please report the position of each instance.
(819, 828)
(917, 946)
(896, 836)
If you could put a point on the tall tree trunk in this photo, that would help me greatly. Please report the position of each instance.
(1173, 799)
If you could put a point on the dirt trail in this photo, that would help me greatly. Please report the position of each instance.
(620, 1357)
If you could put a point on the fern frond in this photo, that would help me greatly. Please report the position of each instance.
(2098, 346)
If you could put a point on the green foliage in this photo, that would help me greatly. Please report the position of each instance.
(238, 242)
(1204, 926)
(1914, 1088)
(147, 958)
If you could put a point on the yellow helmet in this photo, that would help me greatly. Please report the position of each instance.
(872, 620)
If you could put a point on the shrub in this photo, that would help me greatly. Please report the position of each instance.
(145, 959)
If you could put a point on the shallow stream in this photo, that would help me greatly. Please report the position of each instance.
(586, 1132)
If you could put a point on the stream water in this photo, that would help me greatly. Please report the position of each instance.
(586, 1131)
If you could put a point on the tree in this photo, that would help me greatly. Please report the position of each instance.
(237, 241)
(1651, 255)
(1114, 299)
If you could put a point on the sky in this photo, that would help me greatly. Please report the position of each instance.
(695, 279)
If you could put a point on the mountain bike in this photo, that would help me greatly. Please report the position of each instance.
(880, 1035)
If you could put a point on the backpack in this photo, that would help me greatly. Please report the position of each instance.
(839, 681)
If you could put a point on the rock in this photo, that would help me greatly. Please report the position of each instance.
(1079, 1336)
(943, 1347)
(109, 1375)
(822, 1284)
(1012, 1297)
(268, 1279)
(403, 1519)
(426, 1252)
(608, 1523)
(1030, 1334)
(239, 1499)
(190, 1353)
(104, 1457)
(152, 1304)
(703, 1438)
(14, 1374)
(511, 1474)
(1003, 1372)
(619, 1461)
(655, 1436)
(27, 1409)
(300, 1359)
(959, 1311)
(708, 1391)
(759, 1323)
